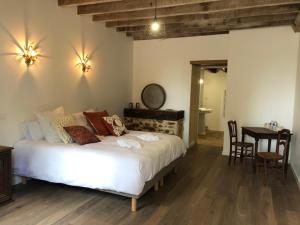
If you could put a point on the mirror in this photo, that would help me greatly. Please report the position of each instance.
(153, 96)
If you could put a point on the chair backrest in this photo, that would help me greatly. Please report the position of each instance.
(283, 139)
(233, 133)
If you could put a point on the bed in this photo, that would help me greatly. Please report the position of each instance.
(103, 166)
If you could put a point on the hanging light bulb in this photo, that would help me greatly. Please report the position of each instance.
(155, 25)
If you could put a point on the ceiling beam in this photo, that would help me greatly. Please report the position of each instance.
(222, 14)
(204, 8)
(132, 5)
(223, 24)
(176, 35)
(82, 2)
(296, 25)
(209, 30)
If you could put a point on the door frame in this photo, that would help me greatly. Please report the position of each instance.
(202, 64)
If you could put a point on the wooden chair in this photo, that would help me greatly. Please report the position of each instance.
(264, 159)
(236, 147)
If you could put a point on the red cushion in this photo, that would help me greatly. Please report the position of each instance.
(96, 122)
(81, 135)
(115, 125)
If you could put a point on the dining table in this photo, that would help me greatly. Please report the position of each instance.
(262, 133)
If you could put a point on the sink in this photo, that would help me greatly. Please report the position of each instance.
(205, 110)
(201, 120)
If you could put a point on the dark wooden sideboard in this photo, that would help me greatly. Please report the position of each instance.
(5, 174)
(162, 121)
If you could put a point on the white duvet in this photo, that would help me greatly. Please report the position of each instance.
(104, 165)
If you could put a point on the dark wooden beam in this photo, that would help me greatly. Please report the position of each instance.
(132, 5)
(204, 8)
(82, 2)
(175, 35)
(193, 31)
(210, 29)
(196, 17)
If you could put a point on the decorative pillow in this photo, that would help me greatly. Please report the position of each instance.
(81, 135)
(81, 120)
(96, 121)
(115, 125)
(59, 125)
(45, 118)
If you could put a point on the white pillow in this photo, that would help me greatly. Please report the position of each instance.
(80, 119)
(35, 131)
(45, 119)
(32, 131)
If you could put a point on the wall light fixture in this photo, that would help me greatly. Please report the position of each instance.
(29, 54)
(84, 64)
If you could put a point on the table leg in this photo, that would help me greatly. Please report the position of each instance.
(256, 146)
(242, 148)
(269, 144)
(286, 163)
(255, 153)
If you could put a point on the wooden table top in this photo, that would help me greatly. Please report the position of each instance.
(260, 130)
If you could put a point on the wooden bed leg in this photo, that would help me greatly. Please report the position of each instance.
(24, 180)
(156, 186)
(175, 170)
(133, 205)
(161, 182)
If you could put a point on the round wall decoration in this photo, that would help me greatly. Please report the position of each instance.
(153, 96)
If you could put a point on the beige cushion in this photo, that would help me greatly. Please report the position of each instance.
(60, 123)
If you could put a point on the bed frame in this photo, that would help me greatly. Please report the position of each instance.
(156, 181)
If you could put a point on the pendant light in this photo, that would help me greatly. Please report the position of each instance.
(155, 25)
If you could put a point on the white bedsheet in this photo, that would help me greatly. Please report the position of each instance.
(103, 165)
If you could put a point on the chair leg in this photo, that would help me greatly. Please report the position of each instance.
(253, 159)
(265, 171)
(230, 155)
(242, 154)
(235, 154)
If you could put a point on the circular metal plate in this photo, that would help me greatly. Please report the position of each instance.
(153, 96)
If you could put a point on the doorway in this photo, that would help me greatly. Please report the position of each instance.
(207, 103)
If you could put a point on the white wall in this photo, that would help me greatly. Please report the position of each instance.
(295, 151)
(261, 75)
(167, 62)
(213, 98)
(54, 80)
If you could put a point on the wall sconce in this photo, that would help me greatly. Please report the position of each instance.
(29, 54)
(84, 64)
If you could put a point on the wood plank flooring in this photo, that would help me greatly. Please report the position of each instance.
(212, 138)
(205, 191)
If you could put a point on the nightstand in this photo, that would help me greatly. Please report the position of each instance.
(5, 174)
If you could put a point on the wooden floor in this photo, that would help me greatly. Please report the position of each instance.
(212, 138)
(204, 191)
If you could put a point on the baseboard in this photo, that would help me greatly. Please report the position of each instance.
(225, 154)
(295, 175)
(192, 144)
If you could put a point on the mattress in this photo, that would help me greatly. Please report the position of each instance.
(104, 165)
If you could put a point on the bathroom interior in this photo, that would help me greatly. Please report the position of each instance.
(212, 99)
